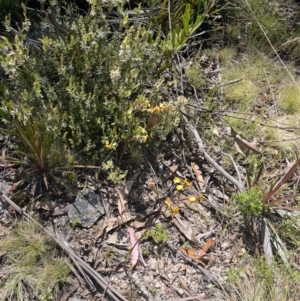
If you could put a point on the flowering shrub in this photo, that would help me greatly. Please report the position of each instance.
(94, 87)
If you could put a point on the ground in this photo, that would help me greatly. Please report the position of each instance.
(176, 228)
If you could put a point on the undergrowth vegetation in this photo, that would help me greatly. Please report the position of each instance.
(89, 86)
(33, 265)
(258, 281)
(88, 89)
(99, 91)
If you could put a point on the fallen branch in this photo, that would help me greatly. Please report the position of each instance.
(78, 261)
(191, 298)
(207, 157)
(226, 84)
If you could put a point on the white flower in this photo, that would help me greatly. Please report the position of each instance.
(115, 74)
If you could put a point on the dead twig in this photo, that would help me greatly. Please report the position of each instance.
(235, 167)
(207, 157)
(192, 298)
(226, 84)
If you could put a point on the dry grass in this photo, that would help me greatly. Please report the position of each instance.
(289, 98)
(260, 282)
(32, 265)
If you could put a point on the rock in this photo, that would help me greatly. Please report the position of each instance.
(87, 208)
(152, 263)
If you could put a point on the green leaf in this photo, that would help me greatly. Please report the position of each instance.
(5, 115)
(278, 243)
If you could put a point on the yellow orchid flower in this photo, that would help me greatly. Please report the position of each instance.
(179, 187)
(176, 180)
(192, 199)
(200, 198)
(175, 210)
(187, 183)
(168, 202)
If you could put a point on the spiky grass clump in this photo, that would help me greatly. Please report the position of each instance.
(258, 95)
(195, 76)
(32, 265)
(289, 98)
(260, 281)
(254, 71)
(244, 91)
(226, 55)
(283, 133)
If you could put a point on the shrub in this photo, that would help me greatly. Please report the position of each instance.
(249, 202)
(95, 87)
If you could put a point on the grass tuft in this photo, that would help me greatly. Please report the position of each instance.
(289, 99)
(226, 55)
(260, 281)
(32, 264)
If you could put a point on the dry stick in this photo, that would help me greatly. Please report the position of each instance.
(235, 167)
(226, 84)
(207, 157)
(192, 298)
(113, 293)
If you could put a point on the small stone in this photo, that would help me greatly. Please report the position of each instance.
(87, 208)
(135, 276)
(152, 263)
(176, 267)
(147, 279)
(161, 264)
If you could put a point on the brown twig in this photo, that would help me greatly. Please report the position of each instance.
(228, 83)
(207, 157)
(192, 298)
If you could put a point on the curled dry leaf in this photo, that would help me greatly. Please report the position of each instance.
(123, 193)
(243, 146)
(209, 243)
(139, 222)
(198, 254)
(113, 223)
(122, 201)
(198, 175)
